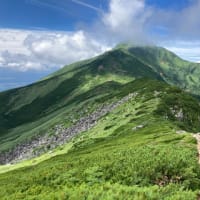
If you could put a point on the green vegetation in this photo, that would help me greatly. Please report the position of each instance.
(133, 152)
(111, 168)
(116, 160)
(172, 69)
(35, 109)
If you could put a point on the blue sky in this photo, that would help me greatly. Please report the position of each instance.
(63, 14)
(38, 37)
(170, 4)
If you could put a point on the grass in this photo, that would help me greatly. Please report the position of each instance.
(133, 162)
(35, 161)
(32, 110)
(173, 69)
(115, 161)
(133, 152)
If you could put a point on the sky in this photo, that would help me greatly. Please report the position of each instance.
(38, 37)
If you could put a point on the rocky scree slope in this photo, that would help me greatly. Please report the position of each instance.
(42, 144)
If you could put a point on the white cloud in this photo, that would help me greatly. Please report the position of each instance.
(64, 48)
(39, 50)
(181, 24)
(188, 23)
(12, 40)
(127, 19)
(1, 60)
(135, 21)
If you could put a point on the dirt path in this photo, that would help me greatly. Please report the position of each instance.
(197, 136)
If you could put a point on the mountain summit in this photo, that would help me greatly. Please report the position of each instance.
(122, 120)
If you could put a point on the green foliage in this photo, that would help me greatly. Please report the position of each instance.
(116, 163)
(115, 168)
(181, 108)
(132, 152)
(28, 111)
(32, 110)
(109, 191)
(172, 69)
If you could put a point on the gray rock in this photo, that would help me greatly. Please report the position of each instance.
(44, 143)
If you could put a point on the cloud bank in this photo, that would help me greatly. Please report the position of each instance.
(125, 20)
(41, 50)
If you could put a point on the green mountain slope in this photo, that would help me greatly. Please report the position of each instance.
(137, 151)
(35, 109)
(121, 129)
(173, 69)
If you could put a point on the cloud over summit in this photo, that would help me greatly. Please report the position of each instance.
(127, 19)
(124, 20)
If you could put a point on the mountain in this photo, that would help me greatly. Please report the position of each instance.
(173, 69)
(116, 126)
(34, 109)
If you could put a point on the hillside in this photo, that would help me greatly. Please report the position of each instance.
(172, 69)
(34, 109)
(116, 126)
(138, 149)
